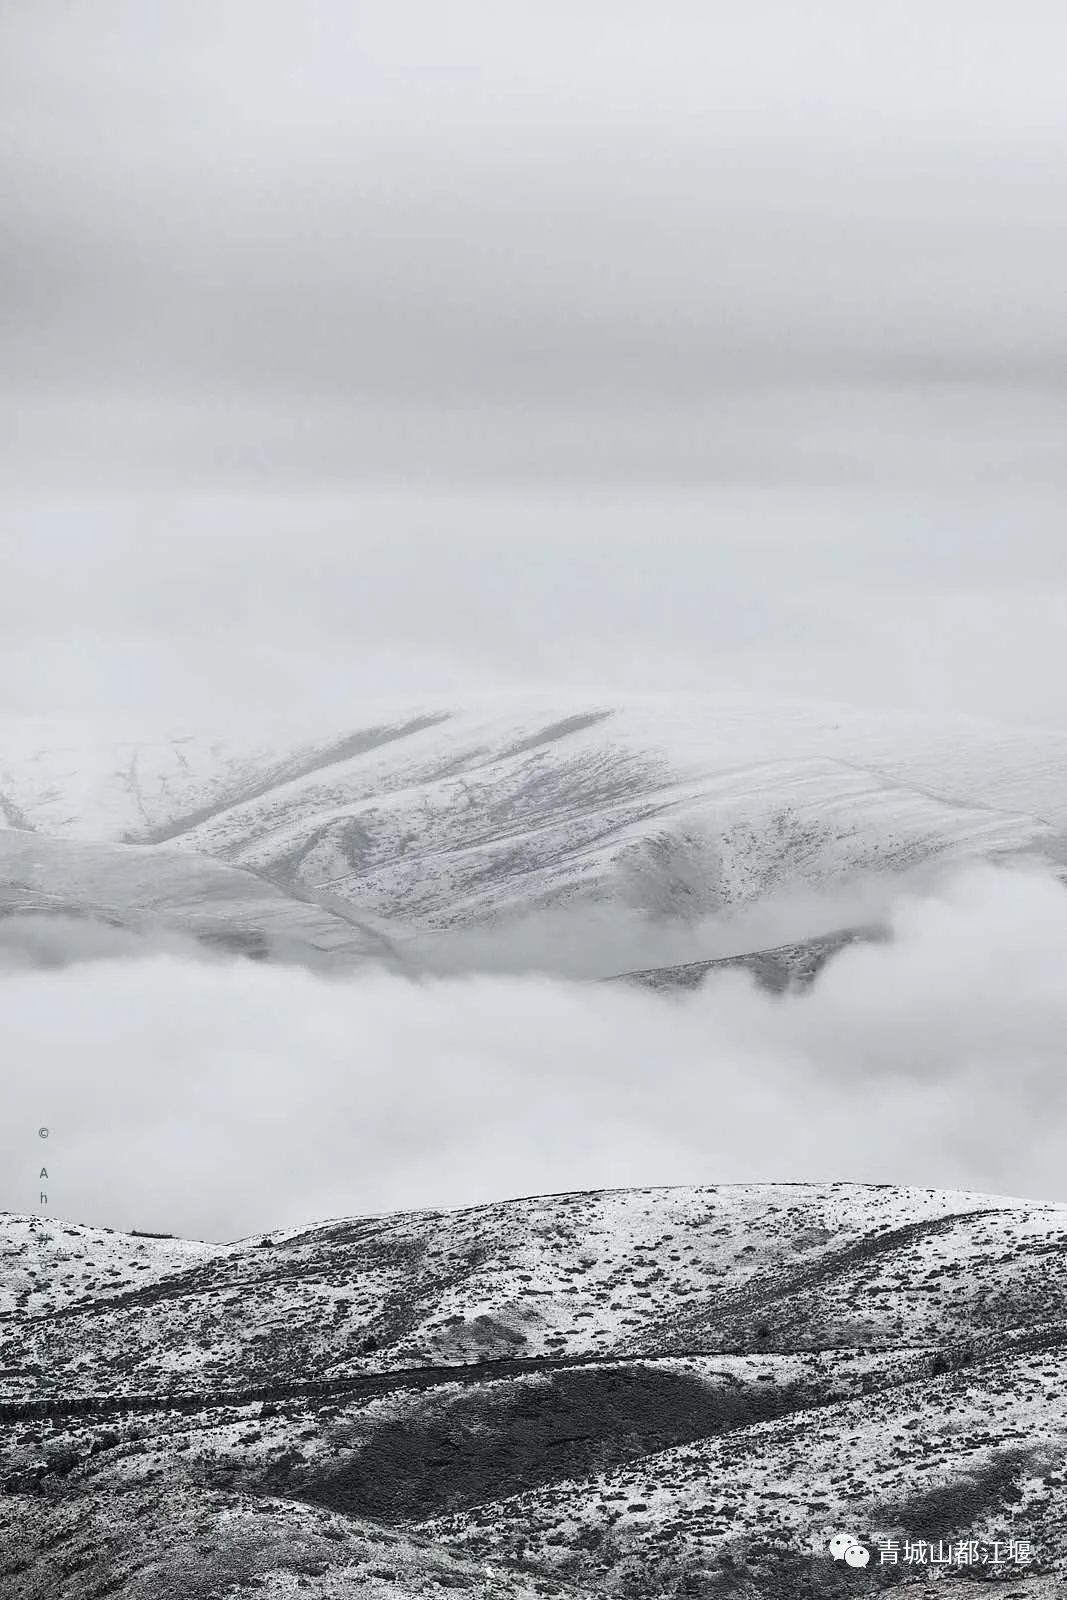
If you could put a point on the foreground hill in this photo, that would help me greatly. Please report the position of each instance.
(443, 817)
(640, 1393)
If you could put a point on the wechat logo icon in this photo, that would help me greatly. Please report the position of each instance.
(843, 1547)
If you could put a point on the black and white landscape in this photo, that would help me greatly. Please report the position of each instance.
(630, 1392)
(533, 800)
(685, 1389)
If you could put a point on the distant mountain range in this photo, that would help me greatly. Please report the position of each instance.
(361, 844)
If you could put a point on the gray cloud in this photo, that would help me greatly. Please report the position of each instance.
(420, 345)
(219, 607)
(33, 943)
(535, 211)
(180, 1093)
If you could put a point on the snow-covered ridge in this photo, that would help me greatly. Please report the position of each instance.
(610, 1273)
(653, 1391)
(435, 816)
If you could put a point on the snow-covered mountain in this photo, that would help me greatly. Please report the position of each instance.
(428, 818)
(657, 1392)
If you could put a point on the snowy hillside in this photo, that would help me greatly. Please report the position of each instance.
(628, 1393)
(152, 891)
(440, 817)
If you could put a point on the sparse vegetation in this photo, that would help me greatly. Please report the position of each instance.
(551, 1397)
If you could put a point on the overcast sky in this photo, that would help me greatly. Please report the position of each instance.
(425, 345)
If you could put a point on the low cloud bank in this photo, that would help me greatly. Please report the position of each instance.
(218, 1098)
(585, 940)
(29, 941)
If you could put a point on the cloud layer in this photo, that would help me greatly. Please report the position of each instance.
(220, 1098)
(345, 352)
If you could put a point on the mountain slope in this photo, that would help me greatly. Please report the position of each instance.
(444, 817)
(148, 892)
(637, 1392)
(600, 1275)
